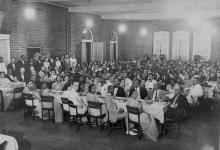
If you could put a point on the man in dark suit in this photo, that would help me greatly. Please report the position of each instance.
(38, 64)
(141, 90)
(21, 63)
(118, 90)
(10, 76)
(179, 106)
(22, 76)
(11, 66)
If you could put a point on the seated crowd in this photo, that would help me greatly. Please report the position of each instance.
(178, 83)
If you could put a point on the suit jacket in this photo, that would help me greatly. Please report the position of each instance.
(38, 65)
(26, 78)
(13, 69)
(120, 92)
(9, 78)
(19, 65)
(181, 101)
(143, 92)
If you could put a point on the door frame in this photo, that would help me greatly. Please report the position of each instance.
(7, 37)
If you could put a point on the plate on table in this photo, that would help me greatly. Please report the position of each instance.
(149, 101)
(82, 93)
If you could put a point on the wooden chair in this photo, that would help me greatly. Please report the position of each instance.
(75, 117)
(136, 112)
(47, 105)
(65, 107)
(2, 101)
(119, 124)
(16, 101)
(29, 105)
(176, 122)
(99, 117)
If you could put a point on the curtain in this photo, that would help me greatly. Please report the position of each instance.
(161, 44)
(180, 45)
(97, 51)
(202, 44)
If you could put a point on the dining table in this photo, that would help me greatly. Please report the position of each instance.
(7, 95)
(156, 109)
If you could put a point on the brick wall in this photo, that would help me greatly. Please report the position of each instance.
(47, 30)
(132, 44)
(77, 25)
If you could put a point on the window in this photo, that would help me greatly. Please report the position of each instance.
(202, 44)
(161, 44)
(180, 45)
(97, 54)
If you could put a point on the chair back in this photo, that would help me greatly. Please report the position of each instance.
(94, 106)
(47, 102)
(133, 114)
(29, 99)
(65, 103)
(73, 109)
(18, 92)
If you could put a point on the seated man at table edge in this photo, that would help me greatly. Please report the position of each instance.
(179, 106)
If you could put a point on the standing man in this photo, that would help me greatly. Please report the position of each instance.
(11, 66)
(3, 66)
(20, 64)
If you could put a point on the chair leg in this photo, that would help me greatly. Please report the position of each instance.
(101, 124)
(24, 113)
(90, 123)
(139, 132)
(110, 128)
(128, 128)
(78, 123)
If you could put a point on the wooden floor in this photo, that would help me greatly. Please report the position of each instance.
(200, 133)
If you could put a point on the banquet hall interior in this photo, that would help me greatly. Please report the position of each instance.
(109, 74)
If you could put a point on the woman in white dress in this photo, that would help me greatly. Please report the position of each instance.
(74, 97)
(31, 89)
(147, 121)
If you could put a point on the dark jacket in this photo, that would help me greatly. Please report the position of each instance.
(13, 69)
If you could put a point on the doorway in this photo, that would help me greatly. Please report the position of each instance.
(113, 53)
(32, 51)
(5, 47)
(86, 51)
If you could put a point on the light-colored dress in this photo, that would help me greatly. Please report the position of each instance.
(74, 97)
(113, 110)
(148, 123)
(37, 101)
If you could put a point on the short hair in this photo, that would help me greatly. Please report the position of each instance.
(90, 87)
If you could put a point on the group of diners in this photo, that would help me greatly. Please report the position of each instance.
(179, 84)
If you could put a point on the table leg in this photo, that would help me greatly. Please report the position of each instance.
(2, 101)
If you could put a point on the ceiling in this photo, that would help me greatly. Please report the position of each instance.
(141, 9)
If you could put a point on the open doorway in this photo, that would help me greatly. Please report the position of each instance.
(32, 51)
(5, 47)
(113, 54)
(87, 40)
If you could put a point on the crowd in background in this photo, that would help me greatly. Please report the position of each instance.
(132, 78)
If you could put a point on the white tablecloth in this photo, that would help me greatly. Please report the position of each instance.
(157, 110)
(12, 143)
(7, 95)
